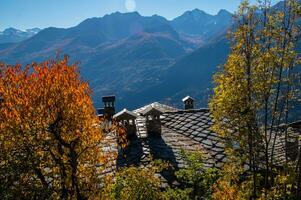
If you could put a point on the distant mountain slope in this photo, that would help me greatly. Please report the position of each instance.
(91, 34)
(132, 64)
(199, 23)
(191, 75)
(138, 58)
(12, 35)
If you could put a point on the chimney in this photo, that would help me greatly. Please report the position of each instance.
(153, 121)
(128, 120)
(188, 103)
(109, 106)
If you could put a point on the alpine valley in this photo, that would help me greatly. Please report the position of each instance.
(139, 59)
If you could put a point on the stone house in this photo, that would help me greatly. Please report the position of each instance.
(160, 131)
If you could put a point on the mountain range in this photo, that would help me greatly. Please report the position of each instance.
(12, 35)
(139, 59)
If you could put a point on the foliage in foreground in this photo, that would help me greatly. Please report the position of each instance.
(255, 92)
(144, 183)
(50, 138)
(49, 133)
(51, 143)
(136, 183)
(196, 180)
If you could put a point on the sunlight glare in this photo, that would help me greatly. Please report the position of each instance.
(130, 5)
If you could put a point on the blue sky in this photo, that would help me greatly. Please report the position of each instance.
(23, 14)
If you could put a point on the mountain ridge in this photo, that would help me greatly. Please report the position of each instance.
(123, 53)
(13, 35)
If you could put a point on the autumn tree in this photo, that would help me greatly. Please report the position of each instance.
(49, 133)
(256, 88)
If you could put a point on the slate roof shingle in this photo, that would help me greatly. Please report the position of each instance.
(189, 130)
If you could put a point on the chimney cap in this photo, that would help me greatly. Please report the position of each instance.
(151, 111)
(109, 98)
(125, 114)
(187, 98)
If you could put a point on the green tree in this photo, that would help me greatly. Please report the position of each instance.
(135, 183)
(196, 180)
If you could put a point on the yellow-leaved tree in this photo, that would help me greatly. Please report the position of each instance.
(254, 96)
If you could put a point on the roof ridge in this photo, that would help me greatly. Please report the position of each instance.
(156, 105)
(188, 111)
(125, 111)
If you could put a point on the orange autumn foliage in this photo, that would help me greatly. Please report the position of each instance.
(49, 134)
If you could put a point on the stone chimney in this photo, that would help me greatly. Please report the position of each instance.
(188, 103)
(109, 106)
(128, 120)
(153, 121)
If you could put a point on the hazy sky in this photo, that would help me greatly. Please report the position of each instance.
(23, 14)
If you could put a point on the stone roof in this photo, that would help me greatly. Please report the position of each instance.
(282, 148)
(125, 114)
(151, 111)
(189, 130)
(196, 125)
(163, 108)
